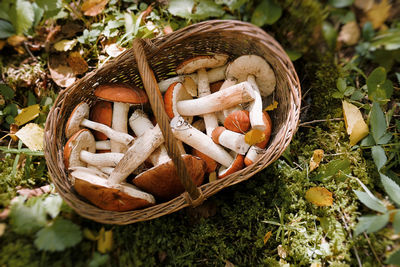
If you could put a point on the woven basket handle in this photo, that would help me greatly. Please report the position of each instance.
(157, 105)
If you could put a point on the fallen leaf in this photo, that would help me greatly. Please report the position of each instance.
(105, 241)
(32, 136)
(319, 196)
(89, 234)
(2, 228)
(229, 264)
(212, 177)
(273, 106)
(93, 7)
(364, 5)
(65, 45)
(282, 252)
(379, 13)
(167, 29)
(355, 124)
(350, 33)
(267, 236)
(114, 50)
(16, 40)
(2, 44)
(62, 75)
(77, 63)
(316, 159)
(27, 114)
(27, 192)
(254, 136)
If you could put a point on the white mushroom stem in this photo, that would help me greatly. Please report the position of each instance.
(200, 141)
(106, 170)
(101, 159)
(234, 141)
(236, 94)
(255, 108)
(136, 154)
(140, 123)
(120, 124)
(254, 154)
(214, 75)
(228, 83)
(103, 145)
(123, 138)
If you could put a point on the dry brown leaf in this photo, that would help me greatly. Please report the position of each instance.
(316, 159)
(379, 13)
(350, 33)
(267, 236)
(62, 75)
(77, 63)
(168, 29)
(364, 5)
(254, 136)
(2, 44)
(355, 124)
(229, 264)
(93, 7)
(27, 192)
(16, 40)
(319, 196)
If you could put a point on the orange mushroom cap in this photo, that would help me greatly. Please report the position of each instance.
(210, 163)
(101, 112)
(121, 93)
(238, 121)
(236, 165)
(216, 133)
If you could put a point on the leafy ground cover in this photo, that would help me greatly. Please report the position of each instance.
(332, 199)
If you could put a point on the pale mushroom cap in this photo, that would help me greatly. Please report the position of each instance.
(80, 112)
(176, 92)
(255, 65)
(123, 197)
(162, 181)
(81, 140)
(200, 62)
(121, 93)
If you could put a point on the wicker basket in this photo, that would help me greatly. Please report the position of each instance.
(163, 54)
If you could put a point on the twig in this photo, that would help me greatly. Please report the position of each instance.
(29, 51)
(373, 250)
(316, 121)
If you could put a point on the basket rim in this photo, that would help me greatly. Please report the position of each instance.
(207, 189)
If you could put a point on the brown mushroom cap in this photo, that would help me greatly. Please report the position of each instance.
(80, 112)
(216, 133)
(81, 140)
(101, 112)
(193, 64)
(162, 181)
(175, 92)
(123, 198)
(238, 121)
(121, 93)
(214, 87)
(236, 165)
(255, 65)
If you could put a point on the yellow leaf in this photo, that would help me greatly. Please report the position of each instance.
(93, 7)
(90, 235)
(27, 114)
(32, 136)
(379, 13)
(316, 159)
(212, 177)
(16, 40)
(267, 236)
(105, 241)
(319, 196)
(65, 45)
(272, 106)
(350, 33)
(254, 136)
(355, 124)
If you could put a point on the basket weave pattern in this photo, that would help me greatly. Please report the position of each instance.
(163, 54)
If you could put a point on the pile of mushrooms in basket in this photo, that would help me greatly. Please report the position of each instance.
(115, 153)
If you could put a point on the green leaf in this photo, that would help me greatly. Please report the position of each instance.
(6, 91)
(396, 222)
(389, 40)
(326, 171)
(293, 55)
(181, 8)
(379, 156)
(398, 77)
(394, 258)
(377, 76)
(6, 29)
(22, 16)
(58, 236)
(27, 218)
(99, 260)
(49, 5)
(206, 9)
(368, 31)
(337, 94)
(370, 201)
(385, 139)
(391, 188)
(377, 122)
(341, 84)
(357, 95)
(232, 4)
(378, 87)
(371, 224)
(267, 12)
(341, 3)
(368, 141)
(330, 34)
(52, 205)
(349, 90)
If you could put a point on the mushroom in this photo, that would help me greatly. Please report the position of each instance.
(229, 139)
(256, 70)
(257, 150)
(101, 112)
(236, 165)
(79, 151)
(199, 64)
(210, 163)
(236, 94)
(238, 121)
(122, 197)
(162, 180)
(103, 145)
(176, 92)
(78, 119)
(228, 83)
(185, 132)
(214, 75)
(122, 95)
